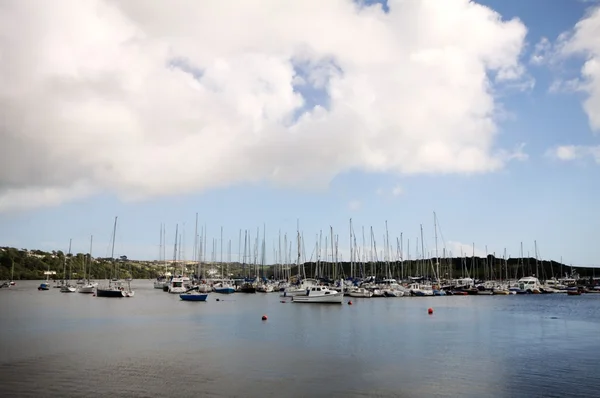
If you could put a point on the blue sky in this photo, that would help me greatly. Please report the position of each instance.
(538, 198)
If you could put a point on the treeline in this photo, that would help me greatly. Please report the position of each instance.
(474, 267)
(31, 264)
(21, 264)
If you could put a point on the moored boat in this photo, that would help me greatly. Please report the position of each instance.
(88, 287)
(361, 292)
(322, 295)
(67, 288)
(193, 295)
(176, 286)
(115, 288)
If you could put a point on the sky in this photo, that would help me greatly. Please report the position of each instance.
(258, 114)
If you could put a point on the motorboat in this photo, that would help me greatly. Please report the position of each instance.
(320, 294)
(176, 286)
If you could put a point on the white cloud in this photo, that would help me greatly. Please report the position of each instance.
(152, 98)
(354, 205)
(459, 249)
(566, 86)
(397, 191)
(32, 197)
(573, 152)
(542, 52)
(585, 39)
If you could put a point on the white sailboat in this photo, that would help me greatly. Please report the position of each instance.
(162, 281)
(66, 286)
(88, 286)
(12, 275)
(224, 286)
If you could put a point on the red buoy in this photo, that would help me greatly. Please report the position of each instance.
(430, 311)
(350, 302)
(264, 317)
(282, 301)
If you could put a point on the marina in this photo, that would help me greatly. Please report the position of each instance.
(496, 346)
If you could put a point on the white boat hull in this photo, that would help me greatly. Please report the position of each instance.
(90, 288)
(294, 293)
(334, 298)
(364, 293)
(160, 284)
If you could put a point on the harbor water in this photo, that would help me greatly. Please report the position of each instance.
(75, 345)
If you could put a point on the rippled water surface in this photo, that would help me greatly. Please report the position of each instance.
(63, 345)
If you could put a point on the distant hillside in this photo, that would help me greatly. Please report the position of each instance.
(31, 264)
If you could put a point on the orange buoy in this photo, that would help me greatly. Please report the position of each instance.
(350, 302)
(430, 311)
(264, 317)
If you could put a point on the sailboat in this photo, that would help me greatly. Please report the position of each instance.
(193, 295)
(115, 288)
(46, 285)
(67, 287)
(88, 286)
(12, 275)
(162, 281)
(223, 286)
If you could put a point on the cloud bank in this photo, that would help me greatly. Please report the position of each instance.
(143, 99)
(574, 152)
(584, 40)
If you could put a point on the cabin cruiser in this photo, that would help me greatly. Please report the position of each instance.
(320, 294)
(300, 289)
(419, 290)
(529, 284)
(176, 286)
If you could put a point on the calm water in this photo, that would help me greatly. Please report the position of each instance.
(67, 345)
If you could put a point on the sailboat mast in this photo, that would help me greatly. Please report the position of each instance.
(437, 257)
(221, 259)
(351, 252)
(89, 267)
(195, 256)
(298, 245)
(112, 250)
(422, 250)
(175, 248)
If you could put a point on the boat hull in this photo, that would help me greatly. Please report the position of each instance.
(87, 289)
(224, 290)
(193, 297)
(109, 293)
(159, 284)
(43, 286)
(337, 298)
(294, 293)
